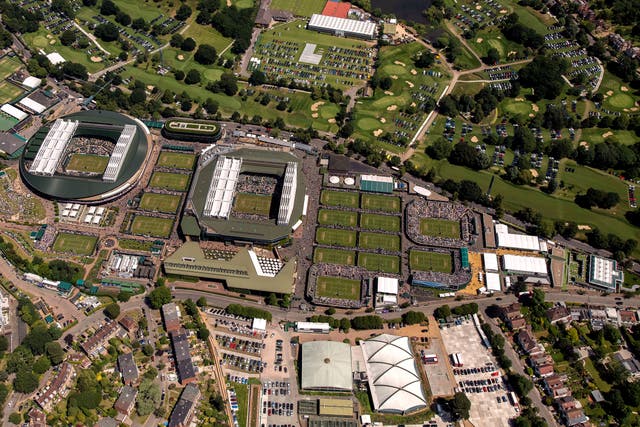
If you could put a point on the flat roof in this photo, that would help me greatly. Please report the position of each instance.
(524, 264)
(603, 272)
(259, 324)
(10, 143)
(387, 285)
(516, 241)
(347, 26)
(492, 281)
(335, 407)
(490, 261)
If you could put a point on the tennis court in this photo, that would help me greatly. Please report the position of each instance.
(334, 256)
(8, 92)
(440, 228)
(379, 241)
(345, 199)
(338, 287)
(334, 237)
(431, 261)
(335, 217)
(380, 222)
(378, 262)
(374, 202)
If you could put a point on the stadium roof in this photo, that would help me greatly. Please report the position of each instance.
(346, 26)
(524, 264)
(490, 261)
(326, 365)
(10, 143)
(387, 285)
(516, 241)
(337, 9)
(238, 272)
(394, 380)
(603, 272)
(13, 111)
(492, 281)
(376, 183)
(32, 82)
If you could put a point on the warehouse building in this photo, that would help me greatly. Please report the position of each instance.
(524, 265)
(342, 27)
(517, 241)
(326, 366)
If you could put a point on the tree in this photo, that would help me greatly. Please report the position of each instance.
(521, 385)
(442, 312)
(138, 96)
(147, 350)
(193, 77)
(440, 149)
(257, 78)
(211, 106)
(67, 38)
(140, 24)
(460, 406)
(4, 344)
(183, 13)
(385, 83)
(203, 333)
(55, 352)
(124, 296)
(25, 381)
(159, 297)
(179, 75)
(176, 40)
(206, 54)
(148, 397)
(544, 75)
(112, 310)
(108, 8)
(202, 302)
(15, 418)
(76, 70)
(123, 19)
(493, 56)
(345, 324)
(107, 32)
(41, 365)
(413, 317)
(424, 60)
(272, 299)
(188, 44)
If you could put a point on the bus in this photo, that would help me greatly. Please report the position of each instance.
(513, 399)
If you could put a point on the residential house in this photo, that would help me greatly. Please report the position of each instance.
(512, 317)
(544, 370)
(184, 365)
(37, 418)
(528, 343)
(597, 396)
(128, 369)
(126, 400)
(57, 388)
(107, 422)
(628, 317)
(555, 387)
(97, 343)
(630, 363)
(128, 323)
(571, 411)
(171, 316)
(559, 314)
(185, 407)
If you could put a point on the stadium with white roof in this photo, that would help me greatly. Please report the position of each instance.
(122, 141)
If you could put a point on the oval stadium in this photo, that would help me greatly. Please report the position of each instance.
(89, 156)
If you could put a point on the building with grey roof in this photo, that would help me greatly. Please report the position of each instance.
(126, 400)
(185, 407)
(171, 317)
(326, 365)
(343, 27)
(184, 365)
(128, 369)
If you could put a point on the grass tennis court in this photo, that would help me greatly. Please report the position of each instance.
(9, 65)
(334, 256)
(431, 261)
(378, 262)
(256, 204)
(88, 163)
(156, 202)
(338, 287)
(380, 222)
(169, 159)
(7, 122)
(299, 7)
(8, 91)
(379, 241)
(78, 244)
(169, 181)
(334, 237)
(151, 226)
(329, 216)
(440, 228)
(375, 202)
(343, 199)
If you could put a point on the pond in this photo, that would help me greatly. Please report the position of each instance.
(410, 10)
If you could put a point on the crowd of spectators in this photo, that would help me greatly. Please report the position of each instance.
(457, 278)
(335, 270)
(419, 209)
(256, 184)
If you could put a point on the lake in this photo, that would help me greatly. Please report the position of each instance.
(410, 10)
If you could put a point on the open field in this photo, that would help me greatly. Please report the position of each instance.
(615, 98)
(380, 222)
(338, 287)
(334, 256)
(299, 8)
(334, 237)
(169, 181)
(170, 159)
(151, 226)
(375, 202)
(597, 135)
(378, 262)
(430, 261)
(156, 202)
(379, 241)
(440, 228)
(88, 163)
(339, 198)
(256, 204)
(344, 218)
(78, 244)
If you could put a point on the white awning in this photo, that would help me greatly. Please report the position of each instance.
(14, 112)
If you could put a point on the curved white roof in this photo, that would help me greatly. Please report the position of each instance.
(326, 365)
(393, 377)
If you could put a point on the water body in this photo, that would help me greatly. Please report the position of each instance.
(410, 10)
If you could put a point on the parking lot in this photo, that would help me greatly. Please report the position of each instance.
(477, 377)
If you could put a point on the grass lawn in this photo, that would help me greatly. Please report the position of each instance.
(380, 222)
(376, 202)
(208, 35)
(156, 202)
(597, 135)
(430, 261)
(440, 228)
(334, 256)
(331, 217)
(345, 199)
(151, 226)
(378, 262)
(379, 241)
(170, 159)
(169, 181)
(491, 37)
(9, 65)
(8, 91)
(78, 244)
(88, 163)
(242, 394)
(299, 8)
(337, 287)
(602, 385)
(618, 95)
(334, 237)
(242, 4)
(256, 204)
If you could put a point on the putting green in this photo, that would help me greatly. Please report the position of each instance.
(393, 69)
(517, 107)
(328, 111)
(620, 100)
(40, 42)
(213, 75)
(387, 101)
(368, 123)
(497, 45)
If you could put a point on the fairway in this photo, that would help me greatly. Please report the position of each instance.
(377, 262)
(337, 287)
(387, 242)
(343, 199)
(169, 159)
(78, 244)
(88, 163)
(333, 237)
(299, 7)
(380, 222)
(156, 202)
(334, 256)
(254, 204)
(374, 202)
(431, 261)
(332, 217)
(440, 228)
(151, 226)
(169, 181)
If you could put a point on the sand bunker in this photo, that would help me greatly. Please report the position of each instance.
(512, 53)
(519, 99)
(388, 92)
(409, 83)
(607, 134)
(609, 92)
(414, 72)
(49, 36)
(149, 87)
(503, 11)
(624, 89)
(479, 40)
(399, 63)
(315, 106)
(535, 107)
(96, 59)
(413, 104)
(383, 120)
(392, 107)
(180, 57)
(474, 138)
(531, 115)
(314, 115)
(394, 77)
(52, 42)
(584, 227)
(634, 109)
(584, 144)
(534, 173)
(478, 7)
(331, 121)
(377, 132)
